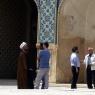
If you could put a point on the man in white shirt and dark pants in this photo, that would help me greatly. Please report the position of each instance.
(75, 66)
(90, 68)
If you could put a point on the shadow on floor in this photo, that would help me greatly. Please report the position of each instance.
(8, 82)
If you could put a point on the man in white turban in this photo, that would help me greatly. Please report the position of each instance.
(23, 44)
(22, 67)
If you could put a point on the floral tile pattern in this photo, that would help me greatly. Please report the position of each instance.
(47, 20)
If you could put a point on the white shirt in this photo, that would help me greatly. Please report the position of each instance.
(92, 61)
(74, 60)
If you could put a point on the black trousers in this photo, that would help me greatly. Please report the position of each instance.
(89, 77)
(93, 77)
(75, 77)
(31, 77)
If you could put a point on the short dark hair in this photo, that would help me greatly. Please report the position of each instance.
(74, 49)
(46, 44)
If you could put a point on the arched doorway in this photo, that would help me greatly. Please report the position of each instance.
(15, 27)
(71, 32)
(76, 27)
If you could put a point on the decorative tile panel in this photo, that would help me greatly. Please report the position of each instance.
(47, 21)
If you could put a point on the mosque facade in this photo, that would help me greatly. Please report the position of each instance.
(63, 23)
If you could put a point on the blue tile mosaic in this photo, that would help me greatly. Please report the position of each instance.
(47, 21)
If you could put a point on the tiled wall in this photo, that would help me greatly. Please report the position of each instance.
(47, 22)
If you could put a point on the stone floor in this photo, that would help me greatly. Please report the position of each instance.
(9, 87)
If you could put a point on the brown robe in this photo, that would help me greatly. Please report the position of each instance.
(22, 71)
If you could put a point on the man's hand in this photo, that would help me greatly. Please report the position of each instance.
(76, 69)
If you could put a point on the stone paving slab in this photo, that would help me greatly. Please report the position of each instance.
(12, 90)
(9, 87)
(46, 92)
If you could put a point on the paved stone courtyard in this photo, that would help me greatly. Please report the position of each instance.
(9, 87)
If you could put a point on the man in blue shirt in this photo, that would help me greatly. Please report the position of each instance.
(43, 60)
(75, 65)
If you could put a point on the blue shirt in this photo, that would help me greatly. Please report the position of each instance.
(44, 57)
(74, 60)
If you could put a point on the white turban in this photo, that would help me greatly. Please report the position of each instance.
(22, 45)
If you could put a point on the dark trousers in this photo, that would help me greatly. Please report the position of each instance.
(93, 77)
(89, 77)
(75, 77)
(30, 80)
